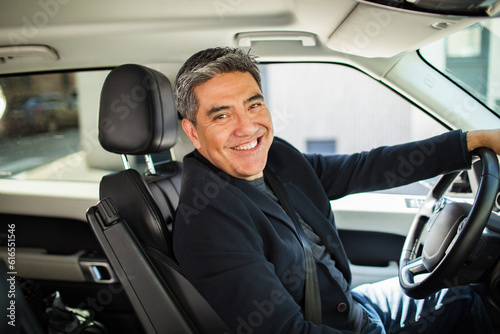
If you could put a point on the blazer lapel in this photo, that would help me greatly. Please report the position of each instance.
(266, 204)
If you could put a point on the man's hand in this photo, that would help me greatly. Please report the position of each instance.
(484, 138)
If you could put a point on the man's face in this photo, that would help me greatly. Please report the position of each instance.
(234, 128)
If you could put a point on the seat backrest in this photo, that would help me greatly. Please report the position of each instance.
(133, 219)
(137, 116)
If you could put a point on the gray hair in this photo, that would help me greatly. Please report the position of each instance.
(203, 66)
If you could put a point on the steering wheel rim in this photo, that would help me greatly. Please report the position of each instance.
(464, 241)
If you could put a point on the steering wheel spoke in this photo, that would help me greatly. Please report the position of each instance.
(409, 271)
(416, 267)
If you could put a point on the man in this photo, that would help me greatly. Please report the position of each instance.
(237, 243)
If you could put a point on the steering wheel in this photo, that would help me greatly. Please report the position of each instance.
(454, 230)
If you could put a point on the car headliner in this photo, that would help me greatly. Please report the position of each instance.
(71, 34)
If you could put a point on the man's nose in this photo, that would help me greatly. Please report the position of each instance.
(245, 125)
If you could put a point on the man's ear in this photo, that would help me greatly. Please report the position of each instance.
(191, 132)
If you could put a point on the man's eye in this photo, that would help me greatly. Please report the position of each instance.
(220, 116)
(255, 105)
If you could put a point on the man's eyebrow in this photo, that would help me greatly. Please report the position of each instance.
(257, 96)
(214, 110)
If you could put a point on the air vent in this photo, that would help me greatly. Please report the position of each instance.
(27, 54)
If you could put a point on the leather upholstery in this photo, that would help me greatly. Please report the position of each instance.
(136, 204)
(147, 202)
(138, 116)
(126, 123)
(166, 187)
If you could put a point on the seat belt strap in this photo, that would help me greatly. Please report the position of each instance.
(312, 294)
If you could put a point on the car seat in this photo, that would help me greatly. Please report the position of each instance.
(132, 221)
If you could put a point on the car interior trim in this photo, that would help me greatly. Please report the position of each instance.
(35, 263)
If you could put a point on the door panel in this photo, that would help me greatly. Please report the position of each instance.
(57, 254)
(373, 227)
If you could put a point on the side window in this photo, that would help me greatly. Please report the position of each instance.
(48, 127)
(321, 146)
(356, 112)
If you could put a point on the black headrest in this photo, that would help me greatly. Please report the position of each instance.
(137, 113)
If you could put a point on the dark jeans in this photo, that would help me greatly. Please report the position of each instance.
(455, 310)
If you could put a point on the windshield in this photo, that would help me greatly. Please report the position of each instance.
(471, 59)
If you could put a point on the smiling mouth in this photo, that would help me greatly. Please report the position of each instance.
(247, 146)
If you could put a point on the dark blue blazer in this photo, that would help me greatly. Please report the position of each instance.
(240, 250)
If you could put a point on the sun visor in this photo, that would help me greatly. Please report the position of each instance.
(380, 31)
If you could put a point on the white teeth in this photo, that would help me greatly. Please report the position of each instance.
(247, 146)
